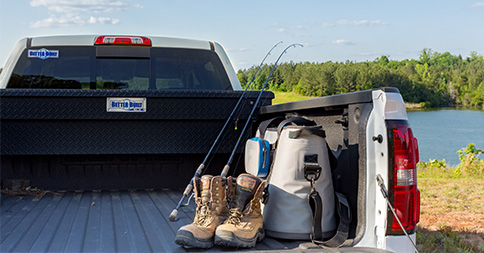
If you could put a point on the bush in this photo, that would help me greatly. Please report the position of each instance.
(470, 163)
(470, 166)
(434, 168)
(425, 104)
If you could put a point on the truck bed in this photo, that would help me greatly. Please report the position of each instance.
(108, 221)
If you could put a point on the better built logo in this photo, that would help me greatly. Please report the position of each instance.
(43, 53)
(126, 105)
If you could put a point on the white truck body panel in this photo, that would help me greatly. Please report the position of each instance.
(386, 106)
(400, 243)
(10, 64)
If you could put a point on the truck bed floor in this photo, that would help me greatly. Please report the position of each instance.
(108, 221)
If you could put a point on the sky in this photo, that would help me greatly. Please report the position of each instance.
(333, 30)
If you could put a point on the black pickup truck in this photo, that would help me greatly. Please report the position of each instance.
(99, 135)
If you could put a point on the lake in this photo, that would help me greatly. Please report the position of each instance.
(442, 132)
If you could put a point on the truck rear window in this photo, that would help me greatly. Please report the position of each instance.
(126, 68)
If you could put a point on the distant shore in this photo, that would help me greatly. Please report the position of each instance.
(413, 106)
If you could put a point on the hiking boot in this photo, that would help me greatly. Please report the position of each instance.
(244, 226)
(211, 211)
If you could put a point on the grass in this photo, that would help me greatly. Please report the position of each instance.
(443, 240)
(285, 97)
(452, 207)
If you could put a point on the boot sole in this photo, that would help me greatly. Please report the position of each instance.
(186, 239)
(226, 238)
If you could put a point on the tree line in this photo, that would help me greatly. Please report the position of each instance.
(434, 80)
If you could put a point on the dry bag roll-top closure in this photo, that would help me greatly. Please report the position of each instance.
(299, 177)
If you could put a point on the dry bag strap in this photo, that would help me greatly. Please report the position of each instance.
(294, 121)
(312, 171)
(344, 214)
(306, 131)
(317, 208)
(266, 123)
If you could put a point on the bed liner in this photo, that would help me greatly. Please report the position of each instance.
(107, 221)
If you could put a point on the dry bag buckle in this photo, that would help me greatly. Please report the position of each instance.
(312, 171)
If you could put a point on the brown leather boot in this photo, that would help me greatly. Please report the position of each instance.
(212, 210)
(244, 227)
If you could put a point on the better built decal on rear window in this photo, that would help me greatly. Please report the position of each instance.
(43, 53)
(126, 104)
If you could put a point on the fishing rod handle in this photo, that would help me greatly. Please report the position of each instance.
(188, 191)
(198, 172)
(174, 213)
(225, 171)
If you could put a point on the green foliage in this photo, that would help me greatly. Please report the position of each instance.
(470, 163)
(437, 163)
(425, 104)
(435, 79)
(469, 152)
(471, 166)
(435, 169)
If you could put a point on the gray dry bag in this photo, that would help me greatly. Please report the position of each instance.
(300, 147)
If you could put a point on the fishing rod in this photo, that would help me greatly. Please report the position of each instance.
(249, 119)
(199, 171)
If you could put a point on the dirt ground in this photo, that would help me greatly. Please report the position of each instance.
(454, 206)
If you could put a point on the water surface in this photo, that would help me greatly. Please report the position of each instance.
(442, 132)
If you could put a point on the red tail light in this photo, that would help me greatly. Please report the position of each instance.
(123, 40)
(404, 194)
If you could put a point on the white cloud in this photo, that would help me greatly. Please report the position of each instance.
(477, 5)
(62, 21)
(294, 30)
(342, 42)
(327, 25)
(89, 6)
(103, 20)
(360, 22)
(79, 12)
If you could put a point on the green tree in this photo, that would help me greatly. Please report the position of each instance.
(434, 79)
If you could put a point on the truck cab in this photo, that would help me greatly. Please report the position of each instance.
(118, 62)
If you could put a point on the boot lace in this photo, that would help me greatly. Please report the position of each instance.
(235, 217)
(203, 213)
